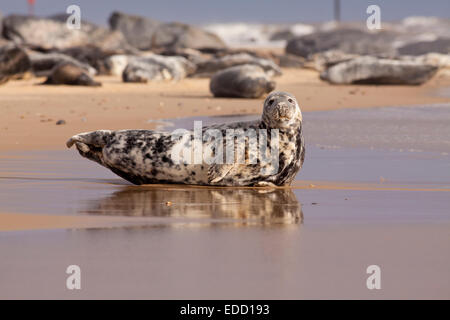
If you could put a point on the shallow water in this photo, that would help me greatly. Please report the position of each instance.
(380, 206)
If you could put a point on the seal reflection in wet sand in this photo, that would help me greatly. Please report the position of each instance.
(249, 206)
(147, 157)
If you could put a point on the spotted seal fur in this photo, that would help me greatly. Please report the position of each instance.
(146, 156)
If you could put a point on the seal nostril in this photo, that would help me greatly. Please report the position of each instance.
(283, 111)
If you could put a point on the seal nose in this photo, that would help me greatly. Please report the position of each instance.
(284, 111)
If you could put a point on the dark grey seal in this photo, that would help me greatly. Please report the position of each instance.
(14, 62)
(71, 74)
(244, 81)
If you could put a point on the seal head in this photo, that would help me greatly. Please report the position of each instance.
(281, 111)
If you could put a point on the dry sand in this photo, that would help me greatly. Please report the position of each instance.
(29, 111)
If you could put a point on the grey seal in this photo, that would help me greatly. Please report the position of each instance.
(154, 67)
(244, 81)
(209, 67)
(14, 62)
(147, 156)
(70, 74)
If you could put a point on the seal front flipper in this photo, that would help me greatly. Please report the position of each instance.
(235, 175)
(90, 144)
(265, 184)
(217, 172)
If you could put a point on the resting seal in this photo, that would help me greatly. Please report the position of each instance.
(146, 156)
(14, 62)
(244, 81)
(70, 74)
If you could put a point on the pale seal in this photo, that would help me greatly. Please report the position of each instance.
(146, 156)
(153, 67)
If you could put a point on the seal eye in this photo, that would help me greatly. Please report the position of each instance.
(271, 101)
(291, 101)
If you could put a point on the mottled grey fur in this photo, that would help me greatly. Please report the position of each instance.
(154, 67)
(144, 156)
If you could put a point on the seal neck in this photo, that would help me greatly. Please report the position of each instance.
(291, 130)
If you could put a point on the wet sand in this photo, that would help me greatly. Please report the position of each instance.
(314, 240)
(361, 199)
(309, 261)
(20, 221)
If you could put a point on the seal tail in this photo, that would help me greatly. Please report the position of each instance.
(90, 144)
